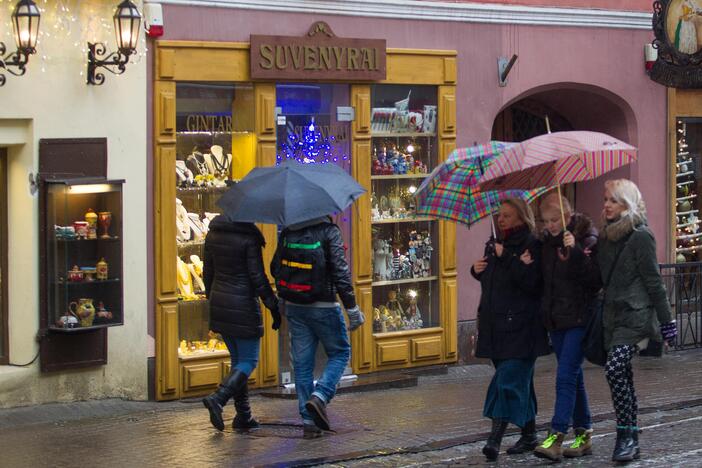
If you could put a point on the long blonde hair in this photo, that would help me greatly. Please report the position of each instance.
(523, 210)
(628, 194)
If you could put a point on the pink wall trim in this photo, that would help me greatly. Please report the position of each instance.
(596, 78)
(625, 5)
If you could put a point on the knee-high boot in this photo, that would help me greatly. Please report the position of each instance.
(232, 386)
(243, 418)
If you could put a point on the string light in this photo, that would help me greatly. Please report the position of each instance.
(309, 148)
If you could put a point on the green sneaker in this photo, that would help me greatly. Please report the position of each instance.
(551, 447)
(582, 445)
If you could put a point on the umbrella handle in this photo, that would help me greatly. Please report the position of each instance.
(560, 202)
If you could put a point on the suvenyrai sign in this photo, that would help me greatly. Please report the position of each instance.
(677, 25)
(319, 55)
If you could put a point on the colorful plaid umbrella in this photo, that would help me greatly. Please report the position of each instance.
(451, 193)
(555, 159)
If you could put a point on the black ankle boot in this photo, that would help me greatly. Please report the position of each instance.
(637, 451)
(243, 419)
(230, 387)
(625, 447)
(527, 442)
(492, 447)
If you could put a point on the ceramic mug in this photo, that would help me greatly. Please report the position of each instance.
(81, 228)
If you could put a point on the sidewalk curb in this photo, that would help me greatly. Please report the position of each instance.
(462, 440)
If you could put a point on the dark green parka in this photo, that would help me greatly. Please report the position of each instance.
(635, 300)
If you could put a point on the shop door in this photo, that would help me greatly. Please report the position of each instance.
(3, 258)
(313, 127)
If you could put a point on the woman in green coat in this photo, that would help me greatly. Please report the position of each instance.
(636, 307)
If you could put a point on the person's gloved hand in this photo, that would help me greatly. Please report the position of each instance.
(356, 318)
(670, 332)
(275, 313)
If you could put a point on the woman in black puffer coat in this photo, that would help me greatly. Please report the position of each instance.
(571, 282)
(510, 326)
(234, 281)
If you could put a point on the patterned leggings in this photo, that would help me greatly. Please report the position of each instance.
(621, 382)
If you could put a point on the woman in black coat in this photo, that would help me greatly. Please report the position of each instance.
(510, 328)
(571, 282)
(234, 281)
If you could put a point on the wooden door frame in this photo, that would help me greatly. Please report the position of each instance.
(4, 304)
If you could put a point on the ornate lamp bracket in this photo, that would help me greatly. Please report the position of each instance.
(17, 59)
(98, 57)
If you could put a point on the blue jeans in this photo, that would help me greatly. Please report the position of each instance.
(244, 353)
(308, 327)
(571, 397)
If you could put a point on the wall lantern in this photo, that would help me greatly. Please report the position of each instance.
(25, 26)
(127, 23)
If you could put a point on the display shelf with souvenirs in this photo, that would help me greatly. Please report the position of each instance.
(688, 234)
(214, 131)
(403, 153)
(83, 254)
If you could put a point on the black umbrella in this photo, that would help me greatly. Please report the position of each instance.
(290, 193)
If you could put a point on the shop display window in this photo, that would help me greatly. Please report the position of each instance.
(688, 179)
(404, 152)
(215, 146)
(84, 254)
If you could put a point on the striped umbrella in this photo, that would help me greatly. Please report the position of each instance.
(451, 192)
(555, 159)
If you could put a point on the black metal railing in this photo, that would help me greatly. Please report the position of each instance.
(683, 281)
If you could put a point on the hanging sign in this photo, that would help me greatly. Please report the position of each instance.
(320, 55)
(677, 25)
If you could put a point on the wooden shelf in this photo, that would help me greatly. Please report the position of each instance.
(198, 355)
(182, 245)
(399, 176)
(85, 283)
(400, 135)
(102, 239)
(417, 219)
(404, 281)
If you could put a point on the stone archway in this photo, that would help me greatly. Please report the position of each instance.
(571, 106)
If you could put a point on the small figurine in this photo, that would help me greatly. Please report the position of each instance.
(395, 309)
(377, 321)
(101, 270)
(102, 312)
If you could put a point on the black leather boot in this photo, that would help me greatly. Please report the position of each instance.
(492, 447)
(214, 402)
(243, 419)
(637, 451)
(527, 442)
(625, 447)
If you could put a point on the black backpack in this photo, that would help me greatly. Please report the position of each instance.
(301, 266)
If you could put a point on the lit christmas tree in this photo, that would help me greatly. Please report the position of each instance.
(309, 148)
(688, 233)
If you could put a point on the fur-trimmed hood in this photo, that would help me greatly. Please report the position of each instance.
(614, 231)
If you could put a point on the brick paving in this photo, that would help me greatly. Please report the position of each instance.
(442, 410)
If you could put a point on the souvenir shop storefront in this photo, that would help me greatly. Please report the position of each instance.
(386, 115)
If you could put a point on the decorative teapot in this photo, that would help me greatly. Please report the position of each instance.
(84, 310)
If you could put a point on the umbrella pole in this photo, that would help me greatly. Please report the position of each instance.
(492, 217)
(560, 202)
(560, 197)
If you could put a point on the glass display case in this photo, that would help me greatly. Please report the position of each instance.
(403, 152)
(215, 146)
(83, 254)
(688, 179)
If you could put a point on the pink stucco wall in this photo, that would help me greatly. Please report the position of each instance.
(599, 72)
(628, 5)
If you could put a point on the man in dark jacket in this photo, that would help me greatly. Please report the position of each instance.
(234, 281)
(320, 321)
